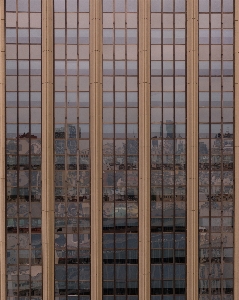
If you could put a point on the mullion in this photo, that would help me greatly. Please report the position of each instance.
(162, 145)
(66, 153)
(114, 149)
(30, 181)
(78, 154)
(18, 168)
(126, 154)
(174, 142)
(221, 152)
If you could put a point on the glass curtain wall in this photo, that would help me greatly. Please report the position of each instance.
(23, 149)
(216, 166)
(72, 153)
(120, 150)
(168, 149)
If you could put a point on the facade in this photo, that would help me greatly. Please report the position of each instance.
(119, 149)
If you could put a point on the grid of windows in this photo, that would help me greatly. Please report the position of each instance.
(216, 149)
(120, 149)
(23, 149)
(168, 149)
(72, 153)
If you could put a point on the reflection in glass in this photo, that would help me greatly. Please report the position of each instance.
(215, 150)
(120, 149)
(168, 150)
(72, 153)
(23, 149)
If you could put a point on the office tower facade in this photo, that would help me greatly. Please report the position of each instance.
(119, 149)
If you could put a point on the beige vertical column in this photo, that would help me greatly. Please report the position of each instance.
(192, 150)
(144, 149)
(47, 151)
(96, 146)
(2, 156)
(236, 163)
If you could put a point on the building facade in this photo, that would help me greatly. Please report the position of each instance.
(119, 149)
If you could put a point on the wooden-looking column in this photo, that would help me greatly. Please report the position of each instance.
(96, 146)
(144, 149)
(192, 150)
(2, 156)
(236, 162)
(47, 151)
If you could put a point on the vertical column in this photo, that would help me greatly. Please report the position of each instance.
(144, 149)
(96, 146)
(192, 149)
(47, 150)
(236, 155)
(2, 154)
